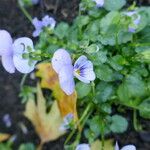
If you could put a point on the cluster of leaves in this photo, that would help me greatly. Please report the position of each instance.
(121, 62)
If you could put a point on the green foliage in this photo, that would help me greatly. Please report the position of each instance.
(121, 61)
(114, 4)
(27, 146)
(83, 89)
(118, 124)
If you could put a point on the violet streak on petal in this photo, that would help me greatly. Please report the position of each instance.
(99, 3)
(60, 58)
(83, 69)
(83, 147)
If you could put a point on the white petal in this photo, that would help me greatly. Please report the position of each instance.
(22, 65)
(116, 146)
(83, 147)
(21, 45)
(66, 79)
(7, 62)
(60, 58)
(129, 147)
(5, 42)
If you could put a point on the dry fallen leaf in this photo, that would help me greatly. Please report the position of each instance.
(46, 124)
(49, 80)
(97, 145)
(4, 137)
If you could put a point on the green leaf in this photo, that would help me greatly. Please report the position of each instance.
(132, 87)
(83, 89)
(82, 20)
(27, 146)
(117, 62)
(144, 108)
(61, 30)
(119, 124)
(111, 5)
(104, 72)
(105, 91)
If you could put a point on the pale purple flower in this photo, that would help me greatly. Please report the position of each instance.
(83, 147)
(11, 53)
(39, 25)
(136, 18)
(48, 22)
(7, 120)
(82, 69)
(99, 3)
(66, 122)
(127, 147)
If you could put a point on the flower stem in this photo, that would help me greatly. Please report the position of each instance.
(23, 80)
(102, 136)
(135, 119)
(24, 11)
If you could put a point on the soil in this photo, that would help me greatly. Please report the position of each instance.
(12, 19)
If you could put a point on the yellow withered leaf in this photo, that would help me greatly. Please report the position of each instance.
(49, 80)
(4, 137)
(97, 145)
(47, 124)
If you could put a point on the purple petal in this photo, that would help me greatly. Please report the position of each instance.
(37, 23)
(60, 58)
(66, 79)
(48, 21)
(116, 146)
(131, 29)
(8, 64)
(83, 70)
(5, 42)
(37, 32)
(137, 20)
(83, 147)
(129, 147)
(7, 120)
(99, 3)
(130, 13)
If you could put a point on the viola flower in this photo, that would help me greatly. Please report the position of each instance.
(127, 147)
(136, 18)
(99, 3)
(12, 53)
(39, 25)
(7, 120)
(83, 147)
(82, 69)
(66, 122)
(48, 22)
